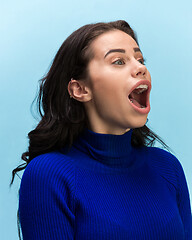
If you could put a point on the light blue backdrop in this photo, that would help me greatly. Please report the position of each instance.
(31, 33)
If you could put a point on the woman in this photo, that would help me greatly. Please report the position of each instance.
(91, 171)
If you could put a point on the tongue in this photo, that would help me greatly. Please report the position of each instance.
(135, 103)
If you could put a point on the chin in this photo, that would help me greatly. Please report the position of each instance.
(139, 124)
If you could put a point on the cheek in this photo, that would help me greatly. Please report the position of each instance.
(106, 88)
(109, 98)
(102, 81)
(107, 84)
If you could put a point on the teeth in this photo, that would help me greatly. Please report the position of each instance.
(142, 87)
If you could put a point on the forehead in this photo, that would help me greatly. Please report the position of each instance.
(112, 40)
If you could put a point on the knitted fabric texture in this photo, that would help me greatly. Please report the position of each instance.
(105, 189)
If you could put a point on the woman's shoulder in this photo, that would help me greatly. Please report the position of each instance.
(52, 165)
(48, 184)
(166, 164)
(163, 157)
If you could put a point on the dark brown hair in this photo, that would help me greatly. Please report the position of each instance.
(64, 118)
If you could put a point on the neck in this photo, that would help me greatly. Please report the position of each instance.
(102, 129)
(110, 149)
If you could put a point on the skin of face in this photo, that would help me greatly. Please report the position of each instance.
(111, 78)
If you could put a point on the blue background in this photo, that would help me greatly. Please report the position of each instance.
(31, 32)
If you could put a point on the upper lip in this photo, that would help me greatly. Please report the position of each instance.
(143, 82)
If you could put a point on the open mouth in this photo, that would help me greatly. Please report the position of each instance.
(139, 96)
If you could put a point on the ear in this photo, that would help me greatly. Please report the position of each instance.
(78, 90)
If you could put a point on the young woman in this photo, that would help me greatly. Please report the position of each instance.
(91, 170)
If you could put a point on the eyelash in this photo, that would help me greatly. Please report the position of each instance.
(120, 59)
(143, 61)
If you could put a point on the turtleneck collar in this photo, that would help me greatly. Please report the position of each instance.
(112, 150)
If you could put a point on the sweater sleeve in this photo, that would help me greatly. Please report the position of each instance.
(46, 199)
(170, 168)
(183, 202)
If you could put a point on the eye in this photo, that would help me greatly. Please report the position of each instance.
(142, 61)
(119, 62)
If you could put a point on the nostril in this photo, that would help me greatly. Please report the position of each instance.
(140, 73)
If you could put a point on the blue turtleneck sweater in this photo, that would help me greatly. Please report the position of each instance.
(105, 189)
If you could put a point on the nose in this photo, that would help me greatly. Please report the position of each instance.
(139, 70)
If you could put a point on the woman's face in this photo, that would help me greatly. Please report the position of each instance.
(115, 70)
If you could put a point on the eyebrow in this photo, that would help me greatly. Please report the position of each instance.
(137, 50)
(121, 50)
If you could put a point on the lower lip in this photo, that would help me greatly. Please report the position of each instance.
(141, 110)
